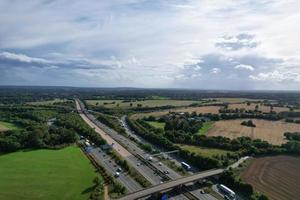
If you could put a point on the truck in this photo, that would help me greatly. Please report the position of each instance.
(227, 191)
(185, 166)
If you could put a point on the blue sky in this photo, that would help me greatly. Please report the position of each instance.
(204, 44)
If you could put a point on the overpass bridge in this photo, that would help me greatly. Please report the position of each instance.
(171, 184)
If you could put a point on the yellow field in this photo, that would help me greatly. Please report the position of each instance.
(234, 100)
(203, 109)
(146, 103)
(271, 131)
(262, 108)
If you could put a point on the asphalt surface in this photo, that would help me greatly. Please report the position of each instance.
(110, 166)
(131, 150)
(171, 184)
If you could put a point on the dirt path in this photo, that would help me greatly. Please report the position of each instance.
(106, 197)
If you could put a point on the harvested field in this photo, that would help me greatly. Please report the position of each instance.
(234, 100)
(278, 177)
(271, 131)
(146, 103)
(262, 108)
(201, 109)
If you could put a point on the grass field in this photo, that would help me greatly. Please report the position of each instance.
(46, 174)
(235, 100)
(50, 102)
(278, 176)
(262, 108)
(200, 109)
(160, 125)
(146, 103)
(4, 126)
(205, 127)
(271, 131)
(209, 152)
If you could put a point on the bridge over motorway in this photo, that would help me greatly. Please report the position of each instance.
(171, 184)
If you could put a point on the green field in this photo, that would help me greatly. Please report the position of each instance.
(46, 174)
(146, 103)
(4, 126)
(49, 102)
(209, 152)
(160, 125)
(205, 127)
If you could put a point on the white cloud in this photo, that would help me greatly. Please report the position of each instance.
(242, 66)
(276, 76)
(22, 58)
(215, 70)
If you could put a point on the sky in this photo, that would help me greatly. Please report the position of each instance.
(197, 44)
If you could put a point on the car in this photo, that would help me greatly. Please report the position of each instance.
(119, 169)
(138, 164)
(166, 172)
(202, 192)
(160, 164)
(117, 174)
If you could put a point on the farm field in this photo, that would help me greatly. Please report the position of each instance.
(233, 100)
(160, 125)
(209, 152)
(146, 103)
(200, 109)
(46, 174)
(50, 102)
(271, 131)
(205, 127)
(262, 108)
(278, 176)
(5, 126)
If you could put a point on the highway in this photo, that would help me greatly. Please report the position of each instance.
(111, 166)
(132, 160)
(171, 184)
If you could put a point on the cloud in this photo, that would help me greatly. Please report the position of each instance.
(21, 58)
(215, 70)
(240, 41)
(242, 66)
(276, 76)
(138, 42)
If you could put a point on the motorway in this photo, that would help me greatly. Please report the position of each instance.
(111, 167)
(171, 184)
(131, 150)
(130, 158)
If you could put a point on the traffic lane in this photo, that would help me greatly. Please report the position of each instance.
(197, 193)
(112, 167)
(132, 147)
(123, 152)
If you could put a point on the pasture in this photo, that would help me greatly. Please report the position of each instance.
(47, 102)
(200, 109)
(160, 125)
(278, 176)
(145, 103)
(5, 126)
(205, 127)
(208, 152)
(270, 131)
(265, 109)
(46, 174)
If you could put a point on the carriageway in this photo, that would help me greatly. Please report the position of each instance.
(171, 184)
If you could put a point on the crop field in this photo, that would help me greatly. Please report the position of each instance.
(4, 126)
(146, 103)
(200, 109)
(234, 100)
(46, 174)
(209, 152)
(271, 131)
(50, 102)
(205, 127)
(160, 125)
(278, 176)
(262, 108)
